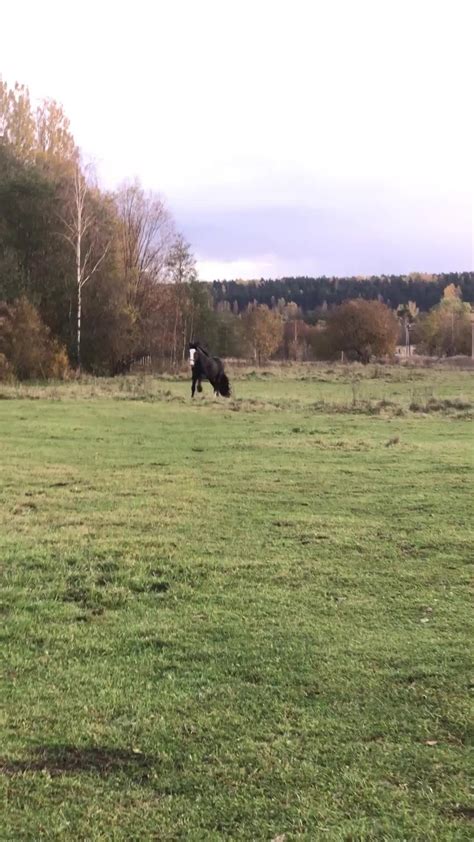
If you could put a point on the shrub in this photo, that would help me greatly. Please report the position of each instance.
(59, 362)
(27, 346)
(6, 373)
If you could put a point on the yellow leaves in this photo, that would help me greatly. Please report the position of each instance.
(452, 292)
(264, 328)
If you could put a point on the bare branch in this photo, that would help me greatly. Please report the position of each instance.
(86, 261)
(68, 238)
(96, 265)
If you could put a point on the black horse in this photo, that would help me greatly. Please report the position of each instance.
(205, 367)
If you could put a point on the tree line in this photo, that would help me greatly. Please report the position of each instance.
(98, 280)
(359, 329)
(316, 295)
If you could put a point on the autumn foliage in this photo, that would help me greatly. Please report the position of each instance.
(446, 329)
(264, 331)
(362, 329)
(27, 349)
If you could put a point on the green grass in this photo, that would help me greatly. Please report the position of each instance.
(236, 620)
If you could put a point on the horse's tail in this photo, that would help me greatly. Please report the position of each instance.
(224, 385)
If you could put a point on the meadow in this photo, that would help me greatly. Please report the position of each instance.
(243, 619)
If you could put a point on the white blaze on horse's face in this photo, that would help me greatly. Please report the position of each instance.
(192, 354)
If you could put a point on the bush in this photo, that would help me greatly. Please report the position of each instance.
(26, 345)
(6, 373)
(59, 362)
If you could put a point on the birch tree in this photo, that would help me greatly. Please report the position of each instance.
(80, 235)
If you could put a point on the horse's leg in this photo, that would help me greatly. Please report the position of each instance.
(193, 386)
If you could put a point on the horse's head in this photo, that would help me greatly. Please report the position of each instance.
(193, 349)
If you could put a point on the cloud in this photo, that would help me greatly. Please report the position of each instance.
(333, 136)
(372, 237)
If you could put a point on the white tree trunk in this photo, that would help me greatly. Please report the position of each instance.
(77, 228)
(78, 277)
(79, 309)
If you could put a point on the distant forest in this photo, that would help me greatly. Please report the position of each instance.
(316, 294)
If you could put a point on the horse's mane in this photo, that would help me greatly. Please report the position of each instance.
(199, 347)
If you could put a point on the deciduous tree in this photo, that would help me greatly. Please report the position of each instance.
(446, 330)
(146, 232)
(81, 232)
(54, 138)
(264, 329)
(17, 122)
(363, 329)
(182, 273)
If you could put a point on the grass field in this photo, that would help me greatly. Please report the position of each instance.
(238, 620)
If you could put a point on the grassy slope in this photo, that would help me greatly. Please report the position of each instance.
(230, 625)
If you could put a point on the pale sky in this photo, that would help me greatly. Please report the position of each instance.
(288, 136)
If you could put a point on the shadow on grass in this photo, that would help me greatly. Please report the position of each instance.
(65, 759)
(462, 812)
